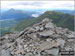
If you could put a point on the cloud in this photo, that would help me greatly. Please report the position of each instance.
(34, 15)
(69, 5)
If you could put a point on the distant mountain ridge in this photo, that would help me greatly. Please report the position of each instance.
(15, 14)
(66, 11)
(60, 19)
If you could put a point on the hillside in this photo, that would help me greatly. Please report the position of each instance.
(15, 14)
(10, 18)
(66, 11)
(6, 26)
(60, 19)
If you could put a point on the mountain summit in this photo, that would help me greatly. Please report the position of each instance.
(12, 10)
(15, 14)
(42, 39)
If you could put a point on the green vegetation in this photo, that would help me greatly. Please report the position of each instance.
(7, 23)
(25, 23)
(6, 26)
(4, 31)
(60, 19)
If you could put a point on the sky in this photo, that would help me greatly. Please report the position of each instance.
(52, 5)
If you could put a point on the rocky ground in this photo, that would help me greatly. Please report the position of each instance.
(42, 39)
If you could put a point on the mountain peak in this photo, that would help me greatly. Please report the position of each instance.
(44, 36)
(11, 9)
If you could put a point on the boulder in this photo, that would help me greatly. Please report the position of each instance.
(70, 36)
(33, 36)
(41, 28)
(53, 51)
(61, 41)
(55, 36)
(38, 55)
(73, 47)
(71, 39)
(37, 28)
(67, 48)
(59, 30)
(46, 33)
(49, 25)
(31, 30)
(48, 45)
(46, 20)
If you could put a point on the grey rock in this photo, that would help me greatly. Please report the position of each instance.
(70, 36)
(46, 20)
(49, 25)
(70, 40)
(31, 30)
(54, 51)
(49, 39)
(65, 30)
(2, 47)
(67, 48)
(61, 41)
(41, 28)
(48, 45)
(24, 31)
(55, 36)
(46, 33)
(33, 36)
(38, 55)
(59, 30)
(73, 47)
(29, 54)
(37, 28)
(5, 53)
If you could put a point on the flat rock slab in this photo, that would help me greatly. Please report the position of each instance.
(46, 33)
(53, 51)
(49, 25)
(5, 53)
(33, 36)
(48, 45)
(70, 36)
(61, 41)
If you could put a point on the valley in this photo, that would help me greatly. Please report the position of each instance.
(19, 20)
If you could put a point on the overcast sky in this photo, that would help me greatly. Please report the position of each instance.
(68, 5)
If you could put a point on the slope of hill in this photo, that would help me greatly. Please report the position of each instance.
(14, 14)
(66, 11)
(12, 17)
(7, 25)
(60, 19)
(25, 23)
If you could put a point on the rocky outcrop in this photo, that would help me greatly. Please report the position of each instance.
(42, 39)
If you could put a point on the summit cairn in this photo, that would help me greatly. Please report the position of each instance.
(42, 39)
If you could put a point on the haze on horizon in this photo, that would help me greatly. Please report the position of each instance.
(32, 5)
